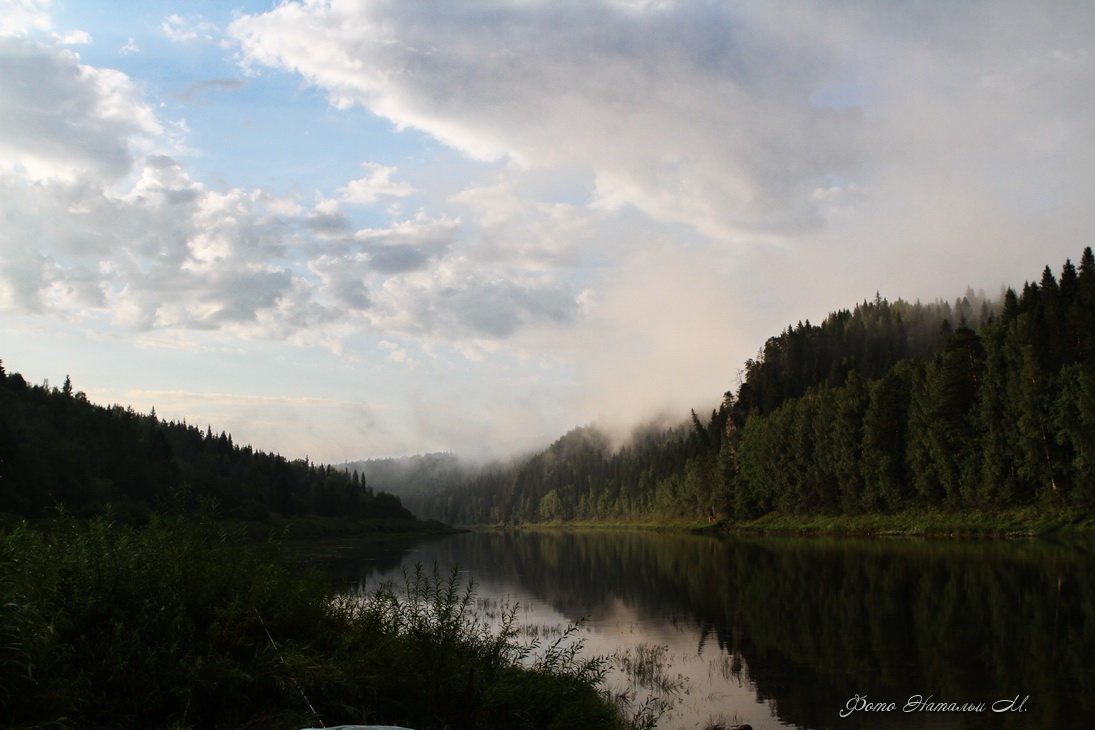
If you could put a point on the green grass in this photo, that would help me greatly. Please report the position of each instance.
(185, 624)
(1013, 522)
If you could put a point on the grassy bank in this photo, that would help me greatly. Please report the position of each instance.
(186, 624)
(1015, 522)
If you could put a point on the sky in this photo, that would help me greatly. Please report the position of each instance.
(346, 229)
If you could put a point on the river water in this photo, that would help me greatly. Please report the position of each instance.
(798, 632)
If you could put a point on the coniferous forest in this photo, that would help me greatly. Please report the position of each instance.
(59, 450)
(888, 406)
(128, 600)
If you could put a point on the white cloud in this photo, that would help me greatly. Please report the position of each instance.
(408, 245)
(799, 156)
(910, 137)
(461, 300)
(695, 112)
(97, 223)
(670, 182)
(159, 251)
(376, 183)
(725, 117)
(189, 30)
(75, 38)
(18, 17)
(514, 228)
(136, 236)
(63, 120)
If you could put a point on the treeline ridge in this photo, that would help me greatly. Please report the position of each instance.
(884, 407)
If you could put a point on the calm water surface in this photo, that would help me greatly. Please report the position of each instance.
(786, 632)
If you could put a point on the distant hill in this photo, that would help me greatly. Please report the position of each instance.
(59, 450)
(414, 479)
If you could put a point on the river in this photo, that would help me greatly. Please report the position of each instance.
(798, 632)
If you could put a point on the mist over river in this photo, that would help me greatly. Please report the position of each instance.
(796, 632)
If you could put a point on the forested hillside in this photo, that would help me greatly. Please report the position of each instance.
(884, 407)
(58, 449)
(413, 478)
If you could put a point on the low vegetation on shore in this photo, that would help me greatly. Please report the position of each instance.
(1028, 521)
(182, 623)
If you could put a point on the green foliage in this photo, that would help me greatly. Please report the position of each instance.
(467, 672)
(56, 448)
(885, 407)
(885, 430)
(179, 624)
(1073, 423)
(121, 624)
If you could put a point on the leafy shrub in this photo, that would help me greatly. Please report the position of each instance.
(180, 623)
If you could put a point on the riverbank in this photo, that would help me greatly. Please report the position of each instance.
(296, 527)
(312, 527)
(184, 623)
(1015, 522)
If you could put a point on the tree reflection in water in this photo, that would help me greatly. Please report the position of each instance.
(786, 631)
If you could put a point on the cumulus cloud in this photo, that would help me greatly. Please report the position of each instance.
(17, 17)
(409, 245)
(515, 228)
(461, 300)
(377, 183)
(327, 221)
(908, 137)
(166, 253)
(725, 117)
(161, 251)
(694, 112)
(95, 222)
(65, 120)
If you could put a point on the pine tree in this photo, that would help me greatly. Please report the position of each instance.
(1073, 419)
(885, 427)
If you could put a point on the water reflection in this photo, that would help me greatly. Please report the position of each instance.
(785, 632)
